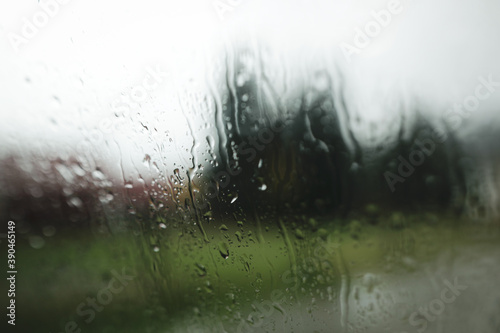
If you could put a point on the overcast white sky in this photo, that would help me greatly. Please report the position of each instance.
(90, 52)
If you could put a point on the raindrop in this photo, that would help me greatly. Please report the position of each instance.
(211, 142)
(370, 281)
(78, 170)
(299, 234)
(234, 199)
(240, 80)
(36, 242)
(49, 231)
(108, 197)
(223, 250)
(397, 220)
(76, 202)
(313, 223)
(355, 229)
(35, 191)
(321, 83)
(200, 269)
(146, 160)
(98, 175)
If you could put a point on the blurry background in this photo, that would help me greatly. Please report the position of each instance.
(72, 79)
(120, 123)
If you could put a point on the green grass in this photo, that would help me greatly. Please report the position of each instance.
(190, 277)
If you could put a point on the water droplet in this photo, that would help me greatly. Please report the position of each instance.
(36, 242)
(240, 80)
(98, 175)
(355, 229)
(146, 160)
(49, 231)
(223, 250)
(200, 269)
(106, 198)
(35, 191)
(78, 170)
(313, 223)
(209, 288)
(234, 199)
(75, 202)
(370, 281)
(56, 100)
(299, 234)
(397, 221)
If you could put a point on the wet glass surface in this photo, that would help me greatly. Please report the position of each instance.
(232, 166)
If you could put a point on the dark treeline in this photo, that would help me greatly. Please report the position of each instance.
(303, 149)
